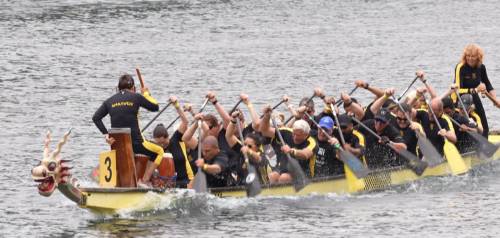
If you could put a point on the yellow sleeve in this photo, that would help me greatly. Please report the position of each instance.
(148, 97)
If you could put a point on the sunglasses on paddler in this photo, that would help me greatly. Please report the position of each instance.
(403, 119)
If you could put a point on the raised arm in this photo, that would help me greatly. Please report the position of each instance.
(222, 112)
(421, 75)
(231, 129)
(265, 127)
(377, 104)
(184, 121)
(253, 114)
(374, 90)
(351, 106)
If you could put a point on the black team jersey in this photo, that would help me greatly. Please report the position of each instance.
(123, 109)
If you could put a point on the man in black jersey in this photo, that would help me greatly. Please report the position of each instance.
(408, 129)
(176, 146)
(354, 140)
(123, 108)
(378, 154)
(465, 142)
(327, 162)
(432, 131)
(213, 163)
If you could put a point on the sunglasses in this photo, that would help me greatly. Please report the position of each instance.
(380, 121)
(401, 119)
(249, 146)
(343, 127)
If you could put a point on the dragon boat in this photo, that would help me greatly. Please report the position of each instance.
(118, 179)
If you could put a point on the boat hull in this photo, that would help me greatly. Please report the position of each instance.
(112, 200)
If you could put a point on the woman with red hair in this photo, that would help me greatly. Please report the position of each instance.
(471, 78)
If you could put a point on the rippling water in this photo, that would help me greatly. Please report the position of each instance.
(60, 59)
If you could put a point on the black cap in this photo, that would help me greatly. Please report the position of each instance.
(383, 115)
(467, 99)
(389, 104)
(344, 120)
(448, 103)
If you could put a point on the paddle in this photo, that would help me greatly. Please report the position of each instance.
(235, 106)
(275, 106)
(299, 178)
(346, 156)
(139, 75)
(408, 88)
(253, 184)
(414, 163)
(177, 118)
(339, 102)
(154, 118)
(431, 155)
(455, 160)
(200, 180)
(486, 148)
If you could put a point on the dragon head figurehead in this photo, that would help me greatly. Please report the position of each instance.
(52, 170)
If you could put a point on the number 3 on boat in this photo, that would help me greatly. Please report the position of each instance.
(107, 169)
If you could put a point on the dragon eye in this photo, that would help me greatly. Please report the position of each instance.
(52, 166)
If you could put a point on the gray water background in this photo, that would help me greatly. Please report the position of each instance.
(60, 59)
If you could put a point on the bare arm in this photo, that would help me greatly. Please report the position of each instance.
(376, 91)
(265, 128)
(222, 112)
(351, 106)
(188, 136)
(377, 105)
(420, 74)
(251, 109)
(184, 121)
(230, 131)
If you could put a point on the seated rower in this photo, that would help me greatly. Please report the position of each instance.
(468, 101)
(299, 144)
(327, 160)
(355, 141)
(213, 163)
(465, 142)
(123, 108)
(252, 147)
(175, 146)
(377, 153)
(426, 119)
(408, 129)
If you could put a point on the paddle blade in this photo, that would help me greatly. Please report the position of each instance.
(253, 184)
(413, 163)
(455, 160)
(354, 164)
(200, 182)
(299, 178)
(431, 155)
(485, 147)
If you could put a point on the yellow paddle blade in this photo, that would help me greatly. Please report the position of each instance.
(455, 160)
(354, 184)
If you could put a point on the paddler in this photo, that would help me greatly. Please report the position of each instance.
(175, 146)
(377, 153)
(299, 144)
(123, 108)
(471, 78)
(327, 162)
(213, 163)
(251, 146)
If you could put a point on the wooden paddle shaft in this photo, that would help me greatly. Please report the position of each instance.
(139, 75)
